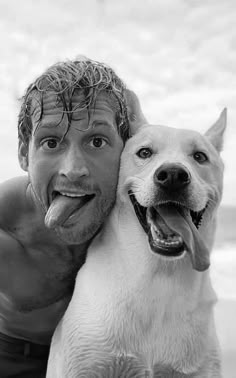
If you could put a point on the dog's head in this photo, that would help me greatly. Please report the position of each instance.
(172, 179)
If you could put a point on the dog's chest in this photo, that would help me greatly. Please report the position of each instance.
(157, 332)
(139, 322)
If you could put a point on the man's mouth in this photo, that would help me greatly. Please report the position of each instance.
(172, 229)
(64, 206)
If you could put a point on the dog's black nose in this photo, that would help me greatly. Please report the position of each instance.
(172, 176)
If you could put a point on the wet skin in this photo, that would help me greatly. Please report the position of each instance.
(43, 246)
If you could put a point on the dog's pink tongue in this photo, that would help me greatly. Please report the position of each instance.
(60, 210)
(181, 223)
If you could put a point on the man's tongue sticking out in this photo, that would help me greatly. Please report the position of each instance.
(181, 223)
(61, 208)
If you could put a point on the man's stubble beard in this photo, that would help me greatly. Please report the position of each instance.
(74, 236)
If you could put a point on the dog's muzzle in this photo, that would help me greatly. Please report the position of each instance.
(172, 229)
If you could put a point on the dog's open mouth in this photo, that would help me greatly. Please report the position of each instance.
(172, 229)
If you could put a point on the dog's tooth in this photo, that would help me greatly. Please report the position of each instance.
(169, 242)
(155, 232)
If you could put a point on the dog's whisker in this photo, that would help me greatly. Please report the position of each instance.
(136, 191)
(140, 178)
(212, 202)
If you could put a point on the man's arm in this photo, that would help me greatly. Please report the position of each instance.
(19, 279)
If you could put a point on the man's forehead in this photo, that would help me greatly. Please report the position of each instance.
(50, 103)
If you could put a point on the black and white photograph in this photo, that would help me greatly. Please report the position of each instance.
(118, 189)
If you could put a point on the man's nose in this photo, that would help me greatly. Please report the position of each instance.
(74, 165)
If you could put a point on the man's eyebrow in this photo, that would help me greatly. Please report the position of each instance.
(97, 123)
(111, 127)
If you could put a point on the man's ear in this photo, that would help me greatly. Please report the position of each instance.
(135, 114)
(216, 132)
(23, 155)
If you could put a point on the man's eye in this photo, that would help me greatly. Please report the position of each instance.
(144, 153)
(50, 144)
(200, 157)
(97, 142)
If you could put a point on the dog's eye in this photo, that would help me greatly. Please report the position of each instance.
(144, 153)
(200, 157)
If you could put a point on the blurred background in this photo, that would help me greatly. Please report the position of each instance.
(178, 56)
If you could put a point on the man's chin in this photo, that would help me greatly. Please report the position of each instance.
(82, 228)
(74, 235)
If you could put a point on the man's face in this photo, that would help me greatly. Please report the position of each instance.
(74, 174)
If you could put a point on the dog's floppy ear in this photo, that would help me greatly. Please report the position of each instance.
(135, 114)
(216, 132)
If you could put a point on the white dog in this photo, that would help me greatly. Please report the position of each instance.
(143, 301)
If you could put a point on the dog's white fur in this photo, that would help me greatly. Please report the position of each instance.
(135, 313)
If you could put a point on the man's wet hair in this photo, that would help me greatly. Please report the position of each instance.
(63, 79)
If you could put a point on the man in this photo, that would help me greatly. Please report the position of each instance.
(72, 127)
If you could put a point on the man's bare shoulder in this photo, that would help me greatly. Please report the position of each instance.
(12, 205)
(14, 186)
(12, 200)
